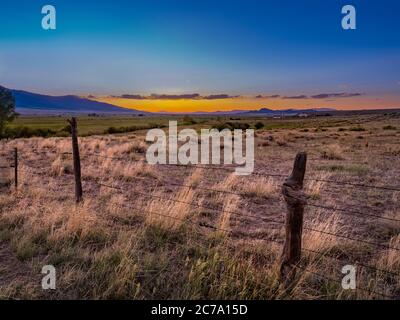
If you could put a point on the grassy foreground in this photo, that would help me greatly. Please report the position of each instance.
(116, 245)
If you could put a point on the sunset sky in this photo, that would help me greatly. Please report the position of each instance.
(232, 54)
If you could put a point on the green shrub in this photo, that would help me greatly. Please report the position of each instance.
(259, 125)
(357, 129)
(231, 126)
(26, 132)
(188, 120)
(113, 130)
(389, 127)
(66, 129)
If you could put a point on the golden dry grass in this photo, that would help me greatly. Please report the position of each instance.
(120, 244)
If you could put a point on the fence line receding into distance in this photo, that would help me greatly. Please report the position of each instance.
(296, 202)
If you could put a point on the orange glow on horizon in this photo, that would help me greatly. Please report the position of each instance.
(249, 103)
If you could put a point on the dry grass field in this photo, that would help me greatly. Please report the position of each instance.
(172, 232)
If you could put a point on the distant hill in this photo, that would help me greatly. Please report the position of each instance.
(33, 103)
(260, 112)
(286, 112)
(199, 113)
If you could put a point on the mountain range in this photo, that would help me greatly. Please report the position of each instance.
(32, 103)
(265, 111)
(28, 103)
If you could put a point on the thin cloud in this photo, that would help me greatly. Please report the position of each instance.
(132, 96)
(219, 96)
(295, 97)
(274, 96)
(336, 95)
(193, 96)
(326, 96)
(196, 96)
(155, 96)
(174, 96)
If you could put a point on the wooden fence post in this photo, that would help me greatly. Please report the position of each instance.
(295, 201)
(16, 168)
(77, 160)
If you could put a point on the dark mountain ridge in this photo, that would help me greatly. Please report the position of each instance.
(33, 103)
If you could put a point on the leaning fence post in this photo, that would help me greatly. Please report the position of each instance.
(16, 168)
(295, 201)
(77, 160)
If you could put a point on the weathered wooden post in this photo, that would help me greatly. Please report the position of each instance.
(295, 202)
(4, 172)
(77, 160)
(16, 168)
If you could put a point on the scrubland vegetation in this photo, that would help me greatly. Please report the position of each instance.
(140, 234)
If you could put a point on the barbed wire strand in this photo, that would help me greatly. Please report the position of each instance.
(352, 239)
(193, 204)
(350, 212)
(345, 237)
(389, 188)
(338, 281)
(324, 255)
(360, 185)
(341, 210)
(304, 269)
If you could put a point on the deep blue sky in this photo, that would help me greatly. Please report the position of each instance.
(244, 47)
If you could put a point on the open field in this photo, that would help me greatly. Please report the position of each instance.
(142, 233)
(88, 125)
(91, 125)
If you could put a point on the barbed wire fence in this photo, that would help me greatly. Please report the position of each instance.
(296, 201)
